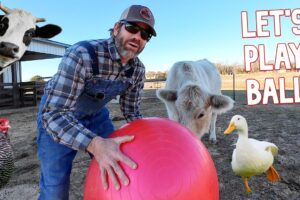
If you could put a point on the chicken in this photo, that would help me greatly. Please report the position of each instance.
(6, 153)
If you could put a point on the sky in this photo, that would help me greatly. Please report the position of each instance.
(186, 30)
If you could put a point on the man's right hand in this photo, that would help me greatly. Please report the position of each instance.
(107, 153)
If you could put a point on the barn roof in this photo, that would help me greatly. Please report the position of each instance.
(11, 85)
(40, 48)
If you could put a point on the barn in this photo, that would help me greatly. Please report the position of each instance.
(13, 91)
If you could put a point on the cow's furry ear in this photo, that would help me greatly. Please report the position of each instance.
(167, 95)
(221, 103)
(47, 31)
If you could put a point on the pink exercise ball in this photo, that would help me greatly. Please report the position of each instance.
(173, 164)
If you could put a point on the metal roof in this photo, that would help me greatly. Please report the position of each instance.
(40, 48)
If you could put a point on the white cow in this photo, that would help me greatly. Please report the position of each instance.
(192, 96)
(17, 28)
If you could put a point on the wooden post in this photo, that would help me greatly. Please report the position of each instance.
(16, 94)
(233, 74)
(1, 81)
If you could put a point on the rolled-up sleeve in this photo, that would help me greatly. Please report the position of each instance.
(63, 90)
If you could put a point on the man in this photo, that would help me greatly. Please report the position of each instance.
(72, 113)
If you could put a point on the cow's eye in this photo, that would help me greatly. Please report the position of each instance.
(29, 33)
(28, 36)
(200, 115)
(3, 26)
(188, 105)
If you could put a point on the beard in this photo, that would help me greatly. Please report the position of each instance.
(123, 50)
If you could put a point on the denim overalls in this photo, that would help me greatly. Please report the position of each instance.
(56, 159)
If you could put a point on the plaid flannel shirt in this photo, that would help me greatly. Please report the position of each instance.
(69, 81)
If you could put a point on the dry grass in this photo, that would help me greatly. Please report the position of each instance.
(240, 79)
(273, 123)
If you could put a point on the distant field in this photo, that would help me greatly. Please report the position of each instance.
(240, 80)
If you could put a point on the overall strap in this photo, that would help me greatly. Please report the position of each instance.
(93, 56)
(129, 72)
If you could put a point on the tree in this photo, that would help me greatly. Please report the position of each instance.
(150, 75)
(37, 78)
(161, 75)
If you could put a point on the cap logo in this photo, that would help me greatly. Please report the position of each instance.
(145, 13)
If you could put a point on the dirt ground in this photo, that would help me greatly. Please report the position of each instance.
(274, 123)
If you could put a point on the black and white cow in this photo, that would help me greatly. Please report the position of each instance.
(17, 28)
(193, 97)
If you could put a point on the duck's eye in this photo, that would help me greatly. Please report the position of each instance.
(238, 118)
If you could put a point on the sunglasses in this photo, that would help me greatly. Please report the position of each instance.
(133, 29)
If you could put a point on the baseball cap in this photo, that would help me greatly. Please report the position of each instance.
(139, 13)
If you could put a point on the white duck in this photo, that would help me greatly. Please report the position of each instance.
(251, 157)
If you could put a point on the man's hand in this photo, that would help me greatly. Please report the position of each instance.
(107, 153)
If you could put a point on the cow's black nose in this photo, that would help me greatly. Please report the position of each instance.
(8, 49)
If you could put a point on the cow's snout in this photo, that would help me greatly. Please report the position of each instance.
(8, 49)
